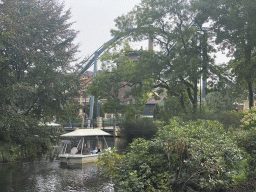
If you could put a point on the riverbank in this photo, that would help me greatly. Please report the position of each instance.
(46, 173)
(18, 144)
(11, 152)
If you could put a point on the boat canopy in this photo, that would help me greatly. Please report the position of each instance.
(86, 132)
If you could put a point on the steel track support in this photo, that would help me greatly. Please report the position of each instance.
(95, 69)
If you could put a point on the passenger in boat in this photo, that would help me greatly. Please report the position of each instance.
(74, 150)
(95, 151)
(88, 123)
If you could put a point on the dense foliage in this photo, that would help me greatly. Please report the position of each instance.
(183, 56)
(198, 155)
(27, 141)
(233, 23)
(218, 106)
(247, 139)
(36, 48)
(139, 128)
(126, 78)
(193, 156)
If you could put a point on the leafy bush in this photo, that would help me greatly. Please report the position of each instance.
(246, 139)
(139, 128)
(22, 137)
(169, 109)
(192, 156)
(249, 119)
(227, 118)
(203, 154)
(220, 101)
(109, 159)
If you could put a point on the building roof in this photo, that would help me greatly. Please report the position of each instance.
(151, 100)
(86, 81)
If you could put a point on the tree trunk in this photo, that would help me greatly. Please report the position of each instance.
(192, 99)
(249, 74)
(195, 97)
(250, 89)
(114, 126)
(183, 104)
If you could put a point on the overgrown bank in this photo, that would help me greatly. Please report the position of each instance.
(22, 138)
(192, 156)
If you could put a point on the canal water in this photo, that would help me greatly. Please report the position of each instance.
(50, 176)
(43, 175)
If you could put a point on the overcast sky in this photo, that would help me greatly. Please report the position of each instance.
(95, 18)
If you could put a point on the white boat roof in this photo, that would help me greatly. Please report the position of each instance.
(85, 132)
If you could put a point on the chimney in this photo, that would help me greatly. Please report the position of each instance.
(150, 43)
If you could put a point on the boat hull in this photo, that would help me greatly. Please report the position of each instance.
(77, 159)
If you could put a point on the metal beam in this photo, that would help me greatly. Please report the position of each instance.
(94, 74)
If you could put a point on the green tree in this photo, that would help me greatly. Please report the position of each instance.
(220, 101)
(169, 24)
(140, 128)
(177, 65)
(233, 22)
(36, 49)
(39, 49)
(69, 113)
(105, 85)
(123, 78)
(170, 108)
(247, 139)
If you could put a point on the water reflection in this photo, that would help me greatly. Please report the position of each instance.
(52, 176)
(44, 176)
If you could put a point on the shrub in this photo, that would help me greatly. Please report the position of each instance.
(249, 119)
(24, 137)
(203, 154)
(192, 156)
(227, 118)
(139, 128)
(246, 139)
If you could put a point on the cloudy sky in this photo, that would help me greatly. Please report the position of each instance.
(95, 18)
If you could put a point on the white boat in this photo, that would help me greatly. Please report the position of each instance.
(80, 154)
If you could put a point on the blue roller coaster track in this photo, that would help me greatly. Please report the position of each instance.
(92, 60)
(85, 65)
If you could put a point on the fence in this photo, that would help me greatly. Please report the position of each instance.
(95, 123)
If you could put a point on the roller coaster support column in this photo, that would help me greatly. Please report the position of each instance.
(95, 70)
(92, 97)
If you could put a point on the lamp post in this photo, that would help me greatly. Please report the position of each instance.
(203, 57)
